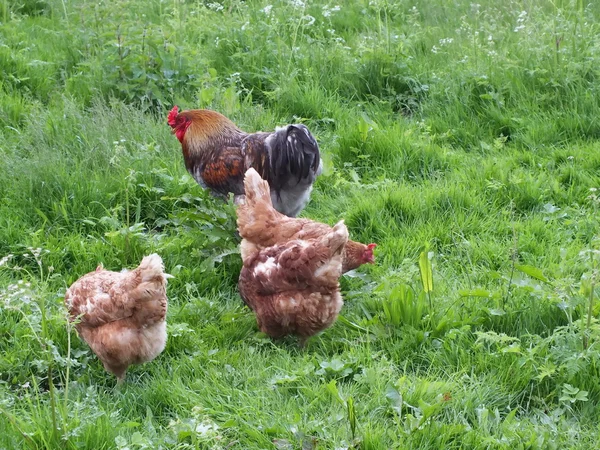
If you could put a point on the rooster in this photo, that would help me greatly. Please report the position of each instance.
(261, 226)
(293, 287)
(122, 315)
(217, 154)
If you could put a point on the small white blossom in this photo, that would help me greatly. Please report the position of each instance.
(207, 427)
(520, 21)
(327, 10)
(267, 9)
(434, 49)
(215, 6)
(310, 19)
(5, 259)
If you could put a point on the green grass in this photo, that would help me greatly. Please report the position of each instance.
(464, 134)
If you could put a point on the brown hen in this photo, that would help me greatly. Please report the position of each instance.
(122, 315)
(293, 287)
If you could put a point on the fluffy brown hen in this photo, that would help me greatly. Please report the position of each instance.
(122, 315)
(261, 226)
(217, 153)
(293, 287)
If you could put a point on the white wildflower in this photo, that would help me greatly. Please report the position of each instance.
(5, 259)
(35, 251)
(434, 49)
(310, 19)
(446, 41)
(207, 427)
(267, 9)
(520, 21)
(327, 10)
(298, 4)
(215, 6)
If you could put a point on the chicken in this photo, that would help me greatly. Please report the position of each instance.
(217, 154)
(293, 287)
(122, 315)
(261, 226)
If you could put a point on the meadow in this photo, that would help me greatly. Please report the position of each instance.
(463, 138)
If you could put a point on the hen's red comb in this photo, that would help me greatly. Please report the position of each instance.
(172, 116)
(371, 246)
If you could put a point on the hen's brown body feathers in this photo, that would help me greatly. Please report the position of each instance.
(121, 315)
(261, 226)
(293, 287)
(217, 154)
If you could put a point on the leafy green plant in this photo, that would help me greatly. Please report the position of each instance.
(401, 306)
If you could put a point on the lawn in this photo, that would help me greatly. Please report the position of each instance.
(463, 138)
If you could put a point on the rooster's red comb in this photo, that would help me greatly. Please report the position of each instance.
(371, 246)
(172, 116)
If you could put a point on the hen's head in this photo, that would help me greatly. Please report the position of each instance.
(357, 254)
(368, 257)
(179, 122)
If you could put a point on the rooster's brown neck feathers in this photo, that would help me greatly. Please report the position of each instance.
(208, 130)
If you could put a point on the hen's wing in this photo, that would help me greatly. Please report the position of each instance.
(301, 264)
(99, 297)
(103, 296)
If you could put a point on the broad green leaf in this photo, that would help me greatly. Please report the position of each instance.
(351, 416)
(477, 292)
(533, 272)
(395, 399)
(426, 271)
(333, 390)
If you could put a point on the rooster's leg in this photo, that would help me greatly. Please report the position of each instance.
(302, 342)
(239, 200)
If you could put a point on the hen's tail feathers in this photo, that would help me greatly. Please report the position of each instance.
(336, 239)
(152, 267)
(256, 188)
(294, 154)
